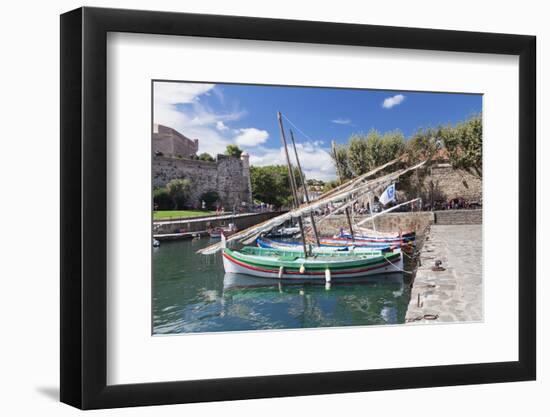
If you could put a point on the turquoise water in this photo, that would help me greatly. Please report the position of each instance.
(192, 294)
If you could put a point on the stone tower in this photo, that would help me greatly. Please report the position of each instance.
(171, 143)
(245, 157)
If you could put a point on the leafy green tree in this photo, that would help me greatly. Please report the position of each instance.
(464, 145)
(315, 183)
(161, 199)
(210, 198)
(178, 190)
(424, 144)
(366, 152)
(270, 184)
(233, 150)
(329, 185)
(206, 157)
(357, 154)
(392, 146)
(340, 159)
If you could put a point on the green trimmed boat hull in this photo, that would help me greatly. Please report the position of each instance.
(276, 264)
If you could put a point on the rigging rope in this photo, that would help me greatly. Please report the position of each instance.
(297, 128)
(399, 269)
(352, 211)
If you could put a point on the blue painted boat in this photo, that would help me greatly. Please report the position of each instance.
(378, 237)
(328, 246)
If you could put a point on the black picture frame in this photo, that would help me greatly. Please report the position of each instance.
(84, 207)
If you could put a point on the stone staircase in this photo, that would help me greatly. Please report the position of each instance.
(456, 217)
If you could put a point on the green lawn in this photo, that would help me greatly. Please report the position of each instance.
(167, 214)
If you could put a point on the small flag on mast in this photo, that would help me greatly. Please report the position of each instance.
(388, 195)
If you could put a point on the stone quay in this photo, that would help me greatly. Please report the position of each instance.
(452, 292)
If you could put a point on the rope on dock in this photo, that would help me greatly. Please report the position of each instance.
(424, 317)
(399, 269)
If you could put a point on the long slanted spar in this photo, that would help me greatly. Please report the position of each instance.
(343, 193)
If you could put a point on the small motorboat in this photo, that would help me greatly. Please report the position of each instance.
(285, 232)
(216, 232)
(156, 243)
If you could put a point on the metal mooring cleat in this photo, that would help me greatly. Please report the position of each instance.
(438, 266)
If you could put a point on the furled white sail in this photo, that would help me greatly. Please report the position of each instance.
(357, 186)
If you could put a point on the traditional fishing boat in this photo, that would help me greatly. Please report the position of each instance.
(327, 267)
(339, 242)
(375, 236)
(295, 246)
(344, 195)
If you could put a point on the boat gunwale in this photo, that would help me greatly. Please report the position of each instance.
(296, 264)
(311, 271)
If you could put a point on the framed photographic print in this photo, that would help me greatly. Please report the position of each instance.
(257, 208)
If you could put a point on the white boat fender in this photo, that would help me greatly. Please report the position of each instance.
(302, 269)
(281, 271)
(327, 275)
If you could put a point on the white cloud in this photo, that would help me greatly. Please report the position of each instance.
(179, 93)
(179, 106)
(193, 119)
(251, 137)
(221, 126)
(341, 121)
(393, 101)
(316, 161)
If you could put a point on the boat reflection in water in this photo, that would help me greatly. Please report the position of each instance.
(236, 281)
(380, 299)
(191, 294)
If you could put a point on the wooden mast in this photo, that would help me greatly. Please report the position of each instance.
(340, 178)
(303, 181)
(292, 181)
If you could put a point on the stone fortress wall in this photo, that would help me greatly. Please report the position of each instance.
(228, 176)
(452, 183)
(172, 159)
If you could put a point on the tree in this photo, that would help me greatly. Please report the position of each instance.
(424, 144)
(315, 183)
(210, 198)
(357, 156)
(161, 199)
(233, 150)
(329, 185)
(178, 190)
(392, 145)
(205, 156)
(339, 156)
(271, 185)
(464, 145)
(373, 151)
(366, 152)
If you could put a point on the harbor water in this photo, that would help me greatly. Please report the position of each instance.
(192, 294)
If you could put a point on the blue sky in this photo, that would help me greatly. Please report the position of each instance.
(221, 114)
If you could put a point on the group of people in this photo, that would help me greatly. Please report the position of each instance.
(453, 204)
